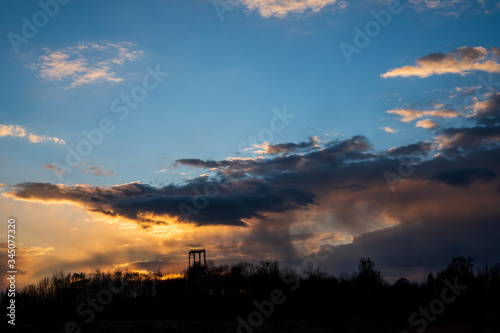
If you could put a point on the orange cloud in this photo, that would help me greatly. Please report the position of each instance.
(389, 129)
(56, 170)
(95, 170)
(12, 130)
(282, 8)
(17, 131)
(85, 63)
(459, 61)
(426, 123)
(412, 114)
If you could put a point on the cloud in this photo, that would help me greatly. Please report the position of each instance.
(463, 60)
(415, 250)
(282, 8)
(426, 123)
(284, 148)
(352, 149)
(455, 139)
(95, 170)
(408, 115)
(85, 63)
(389, 130)
(12, 130)
(435, 4)
(56, 170)
(464, 176)
(33, 138)
(198, 163)
(487, 112)
(17, 131)
(147, 205)
(34, 251)
(252, 188)
(466, 91)
(421, 147)
(453, 7)
(486, 133)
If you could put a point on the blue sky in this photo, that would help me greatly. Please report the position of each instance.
(227, 77)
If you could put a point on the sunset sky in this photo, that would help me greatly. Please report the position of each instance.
(131, 131)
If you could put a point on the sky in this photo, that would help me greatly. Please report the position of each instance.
(259, 129)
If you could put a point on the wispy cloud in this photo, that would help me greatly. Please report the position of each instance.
(282, 8)
(454, 7)
(92, 170)
(459, 61)
(35, 251)
(389, 129)
(408, 115)
(17, 131)
(56, 170)
(86, 62)
(426, 123)
(95, 170)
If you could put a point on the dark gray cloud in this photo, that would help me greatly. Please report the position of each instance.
(286, 148)
(467, 138)
(198, 163)
(485, 134)
(251, 188)
(470, 54)
(140, 202)
(435, 57)
(464, 176)
(420, 148)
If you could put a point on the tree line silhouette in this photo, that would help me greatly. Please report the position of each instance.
(229, 291)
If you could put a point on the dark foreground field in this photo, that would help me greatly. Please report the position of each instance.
(292, 325)
(250, 298)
